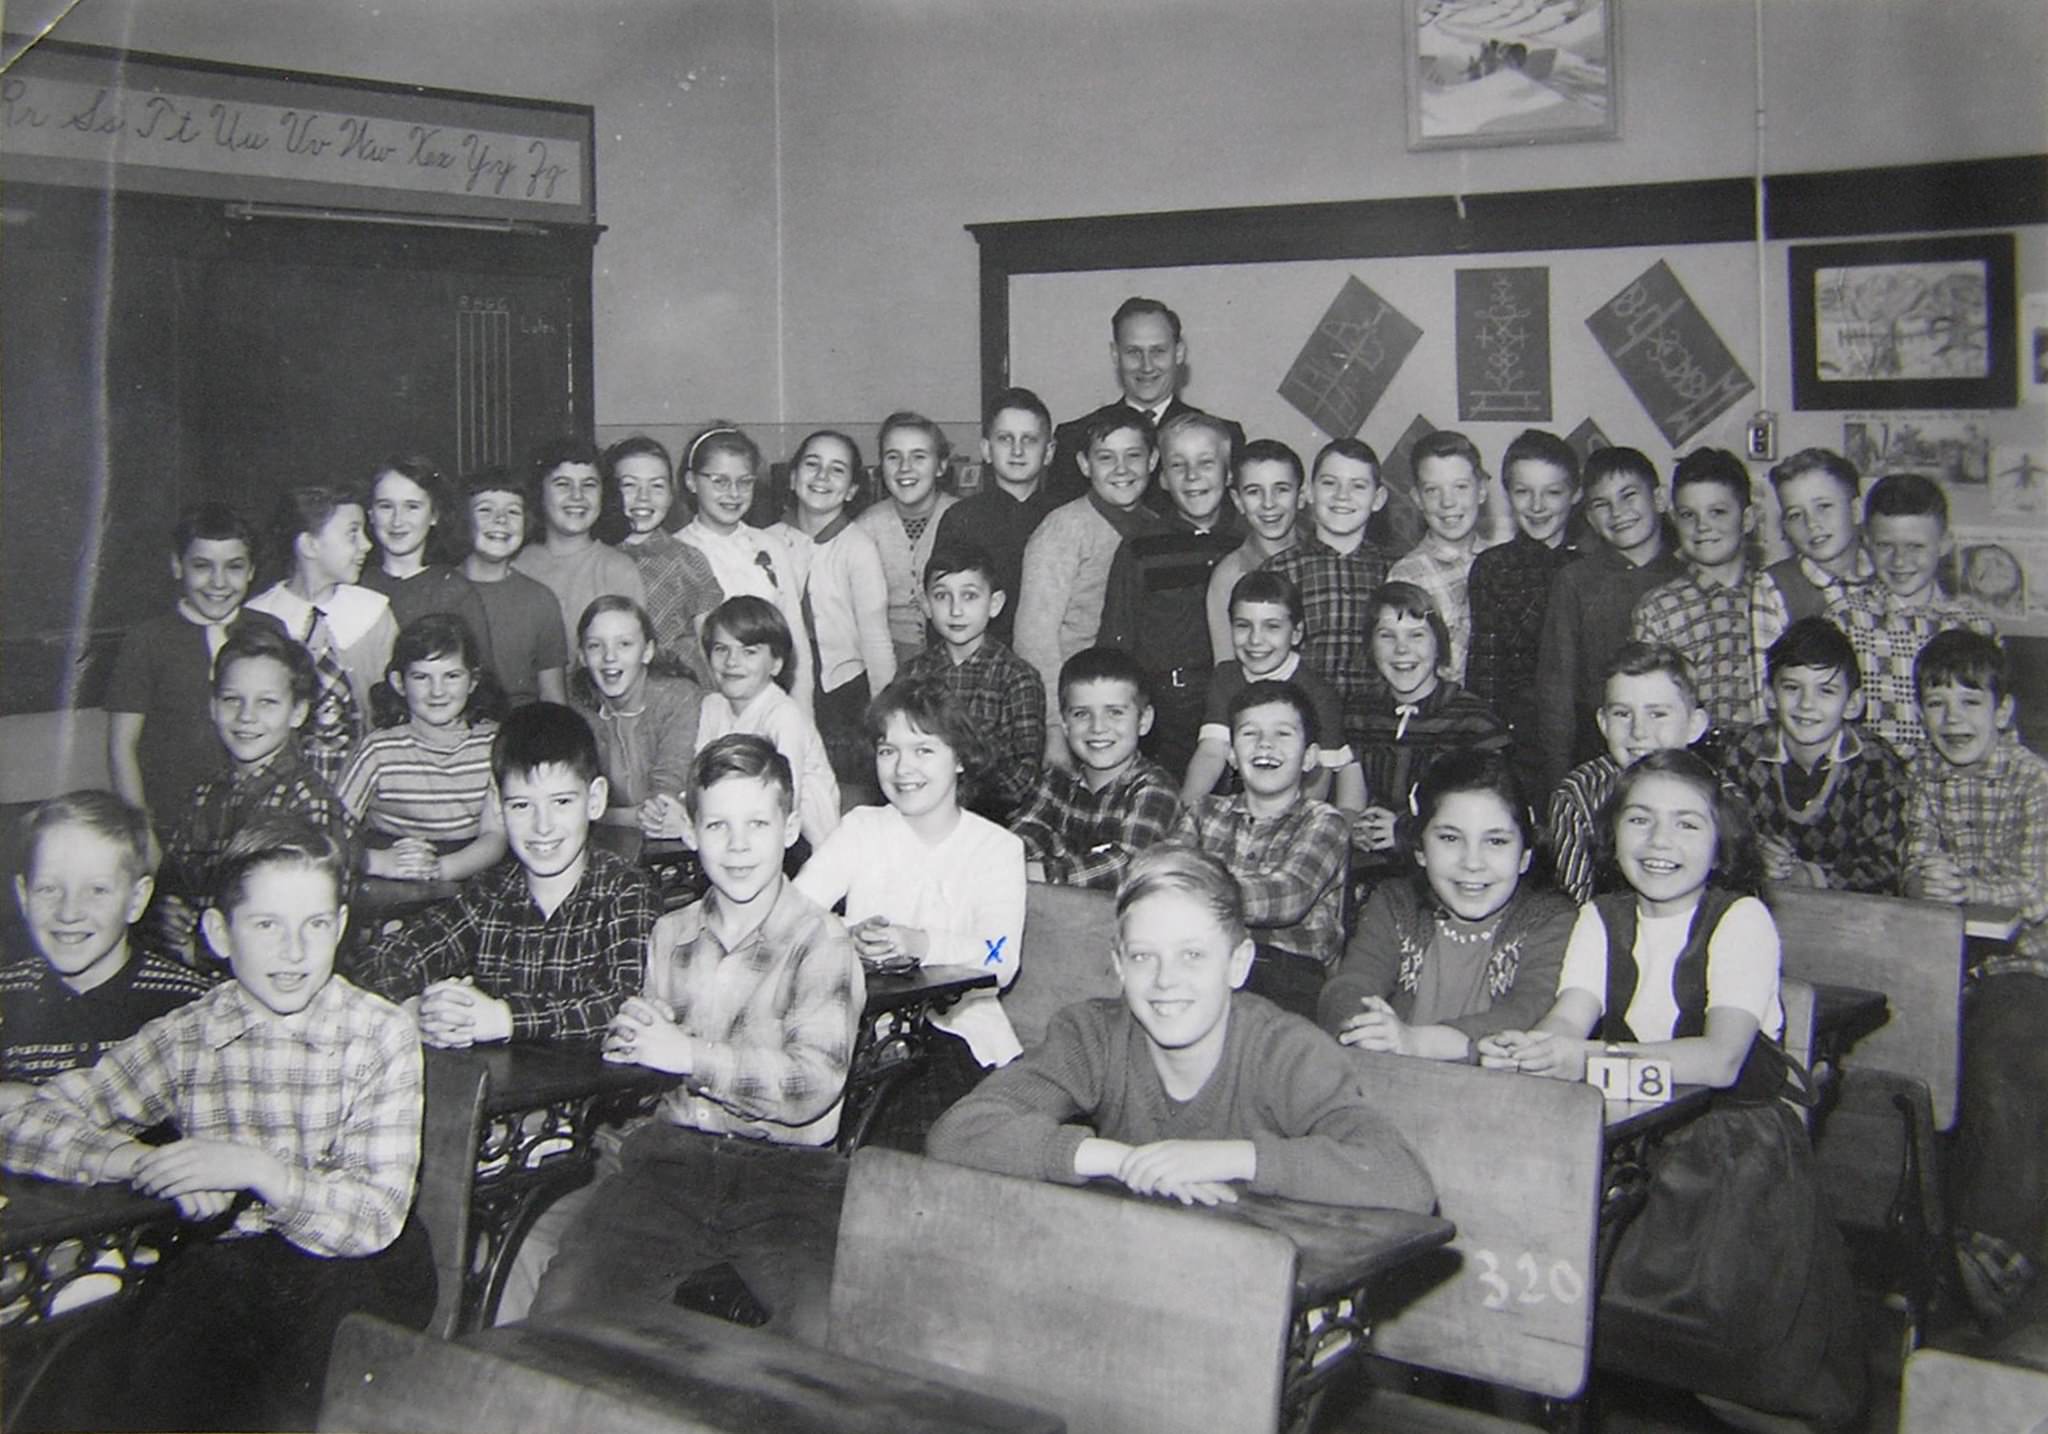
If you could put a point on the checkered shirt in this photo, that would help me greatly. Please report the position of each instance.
(222, 805)
(773, 1019)
(1847, 816)
(564, 976)
(1509, 593)
(1291, 868)
(1444, 571)
(335, 1096)
(680, 589)
(1335, 590)
(1991, 820)
(1724, 633)
(1087, 838)
(1888, 637)
(1004, 697)
(1574, 825)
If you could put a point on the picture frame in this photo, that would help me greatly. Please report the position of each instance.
(1904, 323)
(1481, 74)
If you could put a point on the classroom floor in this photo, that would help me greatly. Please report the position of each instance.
(1624, 1406)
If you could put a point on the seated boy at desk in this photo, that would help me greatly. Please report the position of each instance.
(1186, 1088)
(84, 882)
(753, 997)
(296, 1098)
(1977, 830)
(263, 688)
(1829, 796)
(1287, 850)
(545, 947)
(1082, 827)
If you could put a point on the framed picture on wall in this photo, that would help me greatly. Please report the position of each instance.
(1904, 323)
(1484, 73)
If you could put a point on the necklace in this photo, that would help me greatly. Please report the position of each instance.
(1449, 929)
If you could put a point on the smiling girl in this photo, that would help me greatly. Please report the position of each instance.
(419, 788)
(1471, 945)
(750, 652)
(646, 722)
(681, 587)
(914, 452)
(845, 594)
(407, 498)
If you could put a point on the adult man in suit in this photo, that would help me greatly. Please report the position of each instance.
(1151, 360)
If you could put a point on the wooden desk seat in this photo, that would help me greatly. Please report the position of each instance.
(1069, 932)
(1121, 1316)
(648, 1369)
(1879, 1160)
(1950, 1394)
(1518, 1169)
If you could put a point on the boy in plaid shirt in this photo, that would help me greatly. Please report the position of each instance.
(1001, 692)
(1721, 612)
(296, 1098)
(1082, 828)
(1829, 798)
(1978, 831)
(545, 947)
(1287, 850)
(1337, 569)
(1450, 485)
(1905, 523)
(753, 997)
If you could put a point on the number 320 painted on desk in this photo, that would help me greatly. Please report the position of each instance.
(1564, 1285)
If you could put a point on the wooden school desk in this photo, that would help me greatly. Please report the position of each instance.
(896, 1037)
(68, 1254)
(639, 1369)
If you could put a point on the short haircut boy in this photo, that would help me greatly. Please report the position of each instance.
(995, 697)
(101, 813)
(1100, 426)
(1103, 664)
(1021, 399)
(544, 734)
(740, 756)
(1906, 495)
(949, 558)
(1817, 643)
(1534, 445)
(1961, 658)
(1268, 692)
(1712, 465)
(1641, 659)
(1818, 460)
(1263, 585)
(1356, 449)
(1606, 464)
(1200, 422)
(250, 640)
(1267, 450)
(213, 522)
(1445, 443)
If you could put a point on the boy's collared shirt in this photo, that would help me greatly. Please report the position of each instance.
(1887, 637)
(773, 1019)
(50, 1028)
(1444, 571)
(563, 976)
(1002, 526)
(1290, 868)
(1005, 700)
(1847, 815)
(223, 805)
(1509, 591)
(1584, 624)
(1811, 590)
(1336, 593)
(1087, 838)
(336, 1096)
(1574, 823)
(1724, 632)
(1991, 820)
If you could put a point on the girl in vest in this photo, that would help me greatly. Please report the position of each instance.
(1471, 943)
(1732, 1281)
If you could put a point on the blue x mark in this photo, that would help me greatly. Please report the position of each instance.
(995, 950)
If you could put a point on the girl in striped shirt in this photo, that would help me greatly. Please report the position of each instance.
(418, 788)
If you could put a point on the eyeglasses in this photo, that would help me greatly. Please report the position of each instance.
(725, 485)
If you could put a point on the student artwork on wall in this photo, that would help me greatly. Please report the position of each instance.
(1953, 447)
(1503, 332)
(1344, 368)
(1669, 354)
(1904, 323)
(2034, 346)
(1483, 72)
(1587, 439)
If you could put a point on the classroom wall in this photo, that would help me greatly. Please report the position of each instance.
(819, 167)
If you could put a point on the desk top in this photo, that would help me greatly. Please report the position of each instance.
(524, 1074)
(1339, 1248)
(720, 1376)
(1627, 1118)
(1846, 1008)
(39, 1211)
(893, 992)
